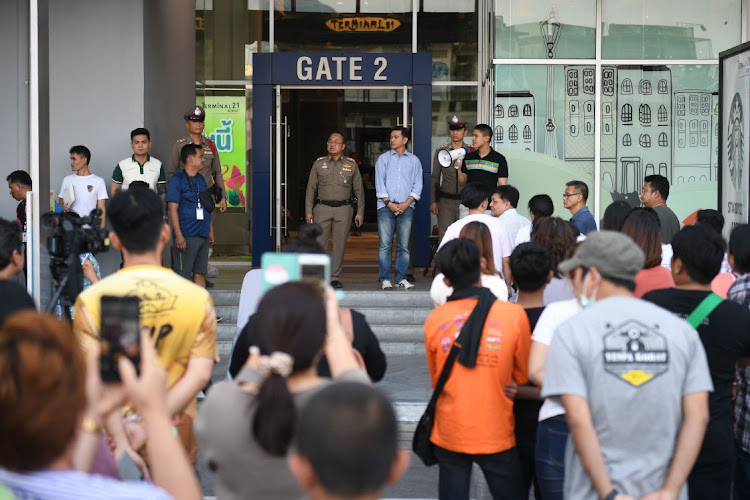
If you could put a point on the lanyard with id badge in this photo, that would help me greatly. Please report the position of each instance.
(199, 215)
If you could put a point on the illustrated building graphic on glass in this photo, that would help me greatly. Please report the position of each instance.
(644, 126)
(695, 135)
(515, 116)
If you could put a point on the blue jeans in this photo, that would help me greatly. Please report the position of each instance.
(388, 224)
(551, 439)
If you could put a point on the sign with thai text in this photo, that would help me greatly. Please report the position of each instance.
(225, 125)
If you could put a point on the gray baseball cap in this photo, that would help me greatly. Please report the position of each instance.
(613, 254)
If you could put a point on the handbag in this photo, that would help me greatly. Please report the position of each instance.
(421, 444)
(205, 197)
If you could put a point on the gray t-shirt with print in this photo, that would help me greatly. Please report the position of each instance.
(633, 362)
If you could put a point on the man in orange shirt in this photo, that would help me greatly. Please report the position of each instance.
(474, 418)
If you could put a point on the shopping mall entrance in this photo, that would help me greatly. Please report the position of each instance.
(306, 97)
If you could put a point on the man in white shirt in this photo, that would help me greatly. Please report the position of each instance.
(475, 197)
(503, 205)
(88, 190)
(140, 166)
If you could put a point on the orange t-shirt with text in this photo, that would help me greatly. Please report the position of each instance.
(473, 413)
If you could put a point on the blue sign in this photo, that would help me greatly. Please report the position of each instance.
(342, 69)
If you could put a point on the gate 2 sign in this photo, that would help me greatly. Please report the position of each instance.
(342, 69)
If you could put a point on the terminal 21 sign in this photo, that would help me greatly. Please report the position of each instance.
(346, 69)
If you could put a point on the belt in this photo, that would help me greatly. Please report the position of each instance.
(334, 203)
(449, 196)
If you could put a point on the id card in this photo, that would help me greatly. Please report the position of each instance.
(199, 213)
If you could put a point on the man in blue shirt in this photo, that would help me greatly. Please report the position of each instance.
(574, 199)
(191, 222)
(398, 184)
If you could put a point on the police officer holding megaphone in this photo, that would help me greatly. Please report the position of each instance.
(446, 192)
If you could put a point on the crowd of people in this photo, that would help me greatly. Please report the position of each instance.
(585, 361)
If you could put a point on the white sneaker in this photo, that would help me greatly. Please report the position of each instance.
(405, 285)
(387, 285)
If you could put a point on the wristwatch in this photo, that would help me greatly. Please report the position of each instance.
(611, 495)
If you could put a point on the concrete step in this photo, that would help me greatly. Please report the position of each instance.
(379, 315)
(351, 298)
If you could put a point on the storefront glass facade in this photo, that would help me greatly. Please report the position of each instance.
(613, 100)
(602, 91)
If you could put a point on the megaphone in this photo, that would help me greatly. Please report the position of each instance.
(446, 158)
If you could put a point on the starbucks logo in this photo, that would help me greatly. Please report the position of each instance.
(736, 141)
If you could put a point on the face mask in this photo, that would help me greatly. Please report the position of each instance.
(588, 301)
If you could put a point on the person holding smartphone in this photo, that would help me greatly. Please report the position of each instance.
(178, 314)
(333, 185)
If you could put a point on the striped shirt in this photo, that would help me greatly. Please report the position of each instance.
(75, 485)
(487, 169)
(740, 292)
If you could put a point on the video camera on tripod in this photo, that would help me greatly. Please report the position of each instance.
(69, 237)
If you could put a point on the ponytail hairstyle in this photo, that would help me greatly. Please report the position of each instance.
(291, 319)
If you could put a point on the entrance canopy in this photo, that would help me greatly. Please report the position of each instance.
(333, 70)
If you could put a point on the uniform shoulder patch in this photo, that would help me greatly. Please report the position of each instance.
(181, 140)
(349, 159)
(322, 158)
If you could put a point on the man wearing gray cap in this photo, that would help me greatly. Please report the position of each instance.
(211, 171)
(633, 379)
(446, 193)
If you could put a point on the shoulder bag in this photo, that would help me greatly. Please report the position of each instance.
(421, 444)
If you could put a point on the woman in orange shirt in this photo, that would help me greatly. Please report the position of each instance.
(643, 226)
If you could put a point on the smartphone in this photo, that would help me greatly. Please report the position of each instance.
(120, 334)
(281, 268)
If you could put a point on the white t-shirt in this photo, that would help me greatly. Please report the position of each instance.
(514, 222)
(88, 190)
(523, 235)
(553, 316)
(502, 245)
(440, 292)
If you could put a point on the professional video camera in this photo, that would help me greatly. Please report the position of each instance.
(69, 237)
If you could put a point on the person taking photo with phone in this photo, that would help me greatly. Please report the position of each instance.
(179, 315)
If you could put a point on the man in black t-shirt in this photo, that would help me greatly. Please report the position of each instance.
(13, 297)
(725, 334)
(529, 269)
(484, 164)
(19, 184)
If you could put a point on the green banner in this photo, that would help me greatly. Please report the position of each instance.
(225, 125)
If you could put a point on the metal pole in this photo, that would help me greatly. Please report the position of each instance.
(34, 278)
(277, 170)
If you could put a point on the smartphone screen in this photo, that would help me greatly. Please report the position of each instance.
(315, 274)
(120, 334)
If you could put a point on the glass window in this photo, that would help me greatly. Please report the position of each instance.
(513, 111)
(669, 29)
(499, 133)
(545, 29)
(343, 26)
(499, 112)
(448, 101)
(224, 47)
(644, 87)
(448, 30)
(627, 86)
(551, 140)
(679, 143)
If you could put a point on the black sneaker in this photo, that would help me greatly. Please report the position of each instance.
(411, 278)
(219, 319)
(336, 284)
(209, 284)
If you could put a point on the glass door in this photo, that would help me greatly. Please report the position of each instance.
(303, 120)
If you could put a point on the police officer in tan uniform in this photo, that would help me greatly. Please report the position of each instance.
(446, 193)
(334, 180)
(194, 118)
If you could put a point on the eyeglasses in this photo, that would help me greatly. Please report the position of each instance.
(336, 143)
(568, 195)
